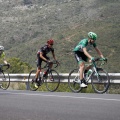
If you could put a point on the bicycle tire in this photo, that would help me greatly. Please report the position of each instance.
(31, 82)
(4, 80)
(101, 85)
(52, 80)
(73, 76)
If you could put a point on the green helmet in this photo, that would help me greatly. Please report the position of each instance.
(92, 35)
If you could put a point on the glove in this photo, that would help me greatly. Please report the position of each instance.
(105, 59)
(92, 59)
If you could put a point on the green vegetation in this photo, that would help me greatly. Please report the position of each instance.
(27, 24)
(18, 66)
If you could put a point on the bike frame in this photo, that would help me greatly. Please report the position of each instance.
(94, 69)
(47, 65)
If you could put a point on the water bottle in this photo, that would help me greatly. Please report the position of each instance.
(41, 74)
(89, 72)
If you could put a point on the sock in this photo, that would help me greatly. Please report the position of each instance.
(83, 81)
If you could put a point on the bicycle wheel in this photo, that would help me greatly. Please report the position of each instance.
(31, 81)
(52, 80)
(73, 81)
(4, 80)
(100, 82)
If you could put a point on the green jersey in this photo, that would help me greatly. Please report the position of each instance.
(82, 44)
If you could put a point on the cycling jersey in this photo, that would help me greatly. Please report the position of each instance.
(45, 50)
(83, 43)
(78, 50)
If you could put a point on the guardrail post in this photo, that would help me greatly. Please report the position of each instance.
(27, 85)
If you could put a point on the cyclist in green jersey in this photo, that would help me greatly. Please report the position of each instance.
(82, 55)
(2, 54)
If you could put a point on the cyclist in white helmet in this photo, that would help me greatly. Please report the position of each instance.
(2, 54)
(82, 55)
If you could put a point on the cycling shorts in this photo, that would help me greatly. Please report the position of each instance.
(80, 56)
(39, 60)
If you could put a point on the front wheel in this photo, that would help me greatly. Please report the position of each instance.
(74, 81)
(52, 80)
(4, 80)
(31, 80)
(100, 81)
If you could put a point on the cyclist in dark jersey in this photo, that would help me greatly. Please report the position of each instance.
(82, 55)
(42, 55)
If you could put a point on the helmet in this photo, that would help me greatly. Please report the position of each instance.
(50, 41)
(1, 48)
(92, 35)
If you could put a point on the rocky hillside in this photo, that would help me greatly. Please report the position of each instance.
(27, 24)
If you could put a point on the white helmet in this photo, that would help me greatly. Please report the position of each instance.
(1, 48)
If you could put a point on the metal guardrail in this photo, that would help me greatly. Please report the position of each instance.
(114, 77)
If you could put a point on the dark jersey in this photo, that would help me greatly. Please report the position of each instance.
(45, 50)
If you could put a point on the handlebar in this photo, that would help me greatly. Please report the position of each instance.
(99, 59)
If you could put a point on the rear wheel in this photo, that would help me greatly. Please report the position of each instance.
(100, 82)
(52, 80)
(74, 81)
(31, 80)
(4, 80)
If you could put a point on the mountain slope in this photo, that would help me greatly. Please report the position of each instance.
(27, 24)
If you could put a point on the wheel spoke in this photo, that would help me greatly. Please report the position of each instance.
(52, 81)
(73, 81)
(101, 81)
(4, 80)
(31, 80)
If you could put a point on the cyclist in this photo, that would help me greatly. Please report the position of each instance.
(42, 56)
(2, 54)
(82, 55)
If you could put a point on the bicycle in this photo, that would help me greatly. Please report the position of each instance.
(98, 77)
(50, 77)
(4, 76)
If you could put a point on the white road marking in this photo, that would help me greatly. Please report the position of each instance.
(72, 97)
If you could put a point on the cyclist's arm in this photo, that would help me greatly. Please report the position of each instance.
(86, 53)
(41, 56)
(5, 61)
(53, 54)
(99, 52)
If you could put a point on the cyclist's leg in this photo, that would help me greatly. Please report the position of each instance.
(80, 57)
(46, 72)
(88, 67)
(81, 68)
(39, 62)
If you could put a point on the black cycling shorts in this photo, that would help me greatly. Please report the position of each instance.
(39, 60)
(80, 56)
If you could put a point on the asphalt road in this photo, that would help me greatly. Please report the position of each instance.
(28, 105)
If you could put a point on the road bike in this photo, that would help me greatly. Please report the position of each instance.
(98, 77)
(48, 76)
(4, 76)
